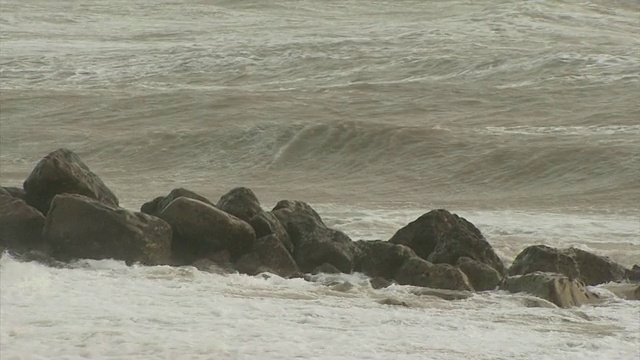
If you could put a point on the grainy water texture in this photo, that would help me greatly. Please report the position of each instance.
(521, 116)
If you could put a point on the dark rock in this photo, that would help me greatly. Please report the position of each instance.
(201, 230)
(442, 237)
(14, 192)
(213, 267)
(633, 274)
(265, 223)
(314, 243)
(240, 202)
(63, 172)
(419, 272)
(595, 269)
(78, 227)
(251, 264)
(449, 295)
(325, 269)
(381, 258)
(275, 256)
(556, 288)
(20, 225)
(395, 302)
(573, 263)
(482, 276)
(155, 206)
(379, 283)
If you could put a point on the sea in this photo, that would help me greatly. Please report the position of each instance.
(521, 116)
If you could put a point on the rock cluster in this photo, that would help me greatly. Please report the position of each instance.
(65, 212)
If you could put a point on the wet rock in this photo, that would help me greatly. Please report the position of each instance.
(449, 295)
(419, 272)
(63, 172)
(556, 288)
(275, 256)
(201, 230)
(379, 283)
(240, 202)
(573, 263)
(155, 206)
(20, 225)
(481, 276)
(78, 227)
(14, 192)
(314, 243)
(381, 258)
(325, 269)
(251, 264)
(265, 223)
(627, 291)
(213, 267)
(394, 302)
(633, 274)
(442, 237)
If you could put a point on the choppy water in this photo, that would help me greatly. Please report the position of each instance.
(524, 117)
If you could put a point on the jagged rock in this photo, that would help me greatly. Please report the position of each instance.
(554, 287)
(419, 272)
(314, 243)
(442, 237)
(265, 223)
(20, 225)
(63, 172)
(78, 227)
(240, 202)
(201, 230)
(595, 269)
(482, 276)
(381, 258)
(573, 263)
(325, 269)
(14, 192)
(155, 206)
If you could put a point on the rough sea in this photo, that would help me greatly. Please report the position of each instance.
(521, 116)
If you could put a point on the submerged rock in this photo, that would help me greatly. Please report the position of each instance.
(442, 237)
(381, 258)
(556, 288)
(419, 272)
(155, 206)
(78, 227)
(63, 172)
(240, 202)
(314, 243)
(269, 255)
(201, 230)
(20, 225)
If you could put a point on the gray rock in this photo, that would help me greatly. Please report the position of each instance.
(482, 276)
(240, 202)
(20, 225)
(419, 272)
(325, 269)
(381, 258)
(556, 288)
(265, 223)
(155, 206)
(14, 192)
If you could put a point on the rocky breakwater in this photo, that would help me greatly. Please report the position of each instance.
(65, 211)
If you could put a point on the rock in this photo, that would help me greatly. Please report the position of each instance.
(155, 206)
(275, 256)
(419, 272)
(240, 202)
(395, 302)
(381, 258)
(379, 283)
(201, 230)
(251, 264)
(595, 269)
(573, 263)
(63, 172)
(625, 291)
(20, 225)
(265, 223)
(442, 237)
(213, 267)
(325, 269)
(633, 274)
(14, 192)
(78, 227)
(449, 295)
(556, 288)
(482, 276)
(314, 243)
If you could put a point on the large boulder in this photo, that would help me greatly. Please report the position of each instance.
(155, 206)
(556, 288)
(14, 192)
(269, 255)
(381, 258)
(314, 243)
(419, 272)
(265, 223)
(78, 227)
(442, 237)
(201, 230)
(481, 276)
(240, 202)
(573, 263)
(20, 224)
(63, 172)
